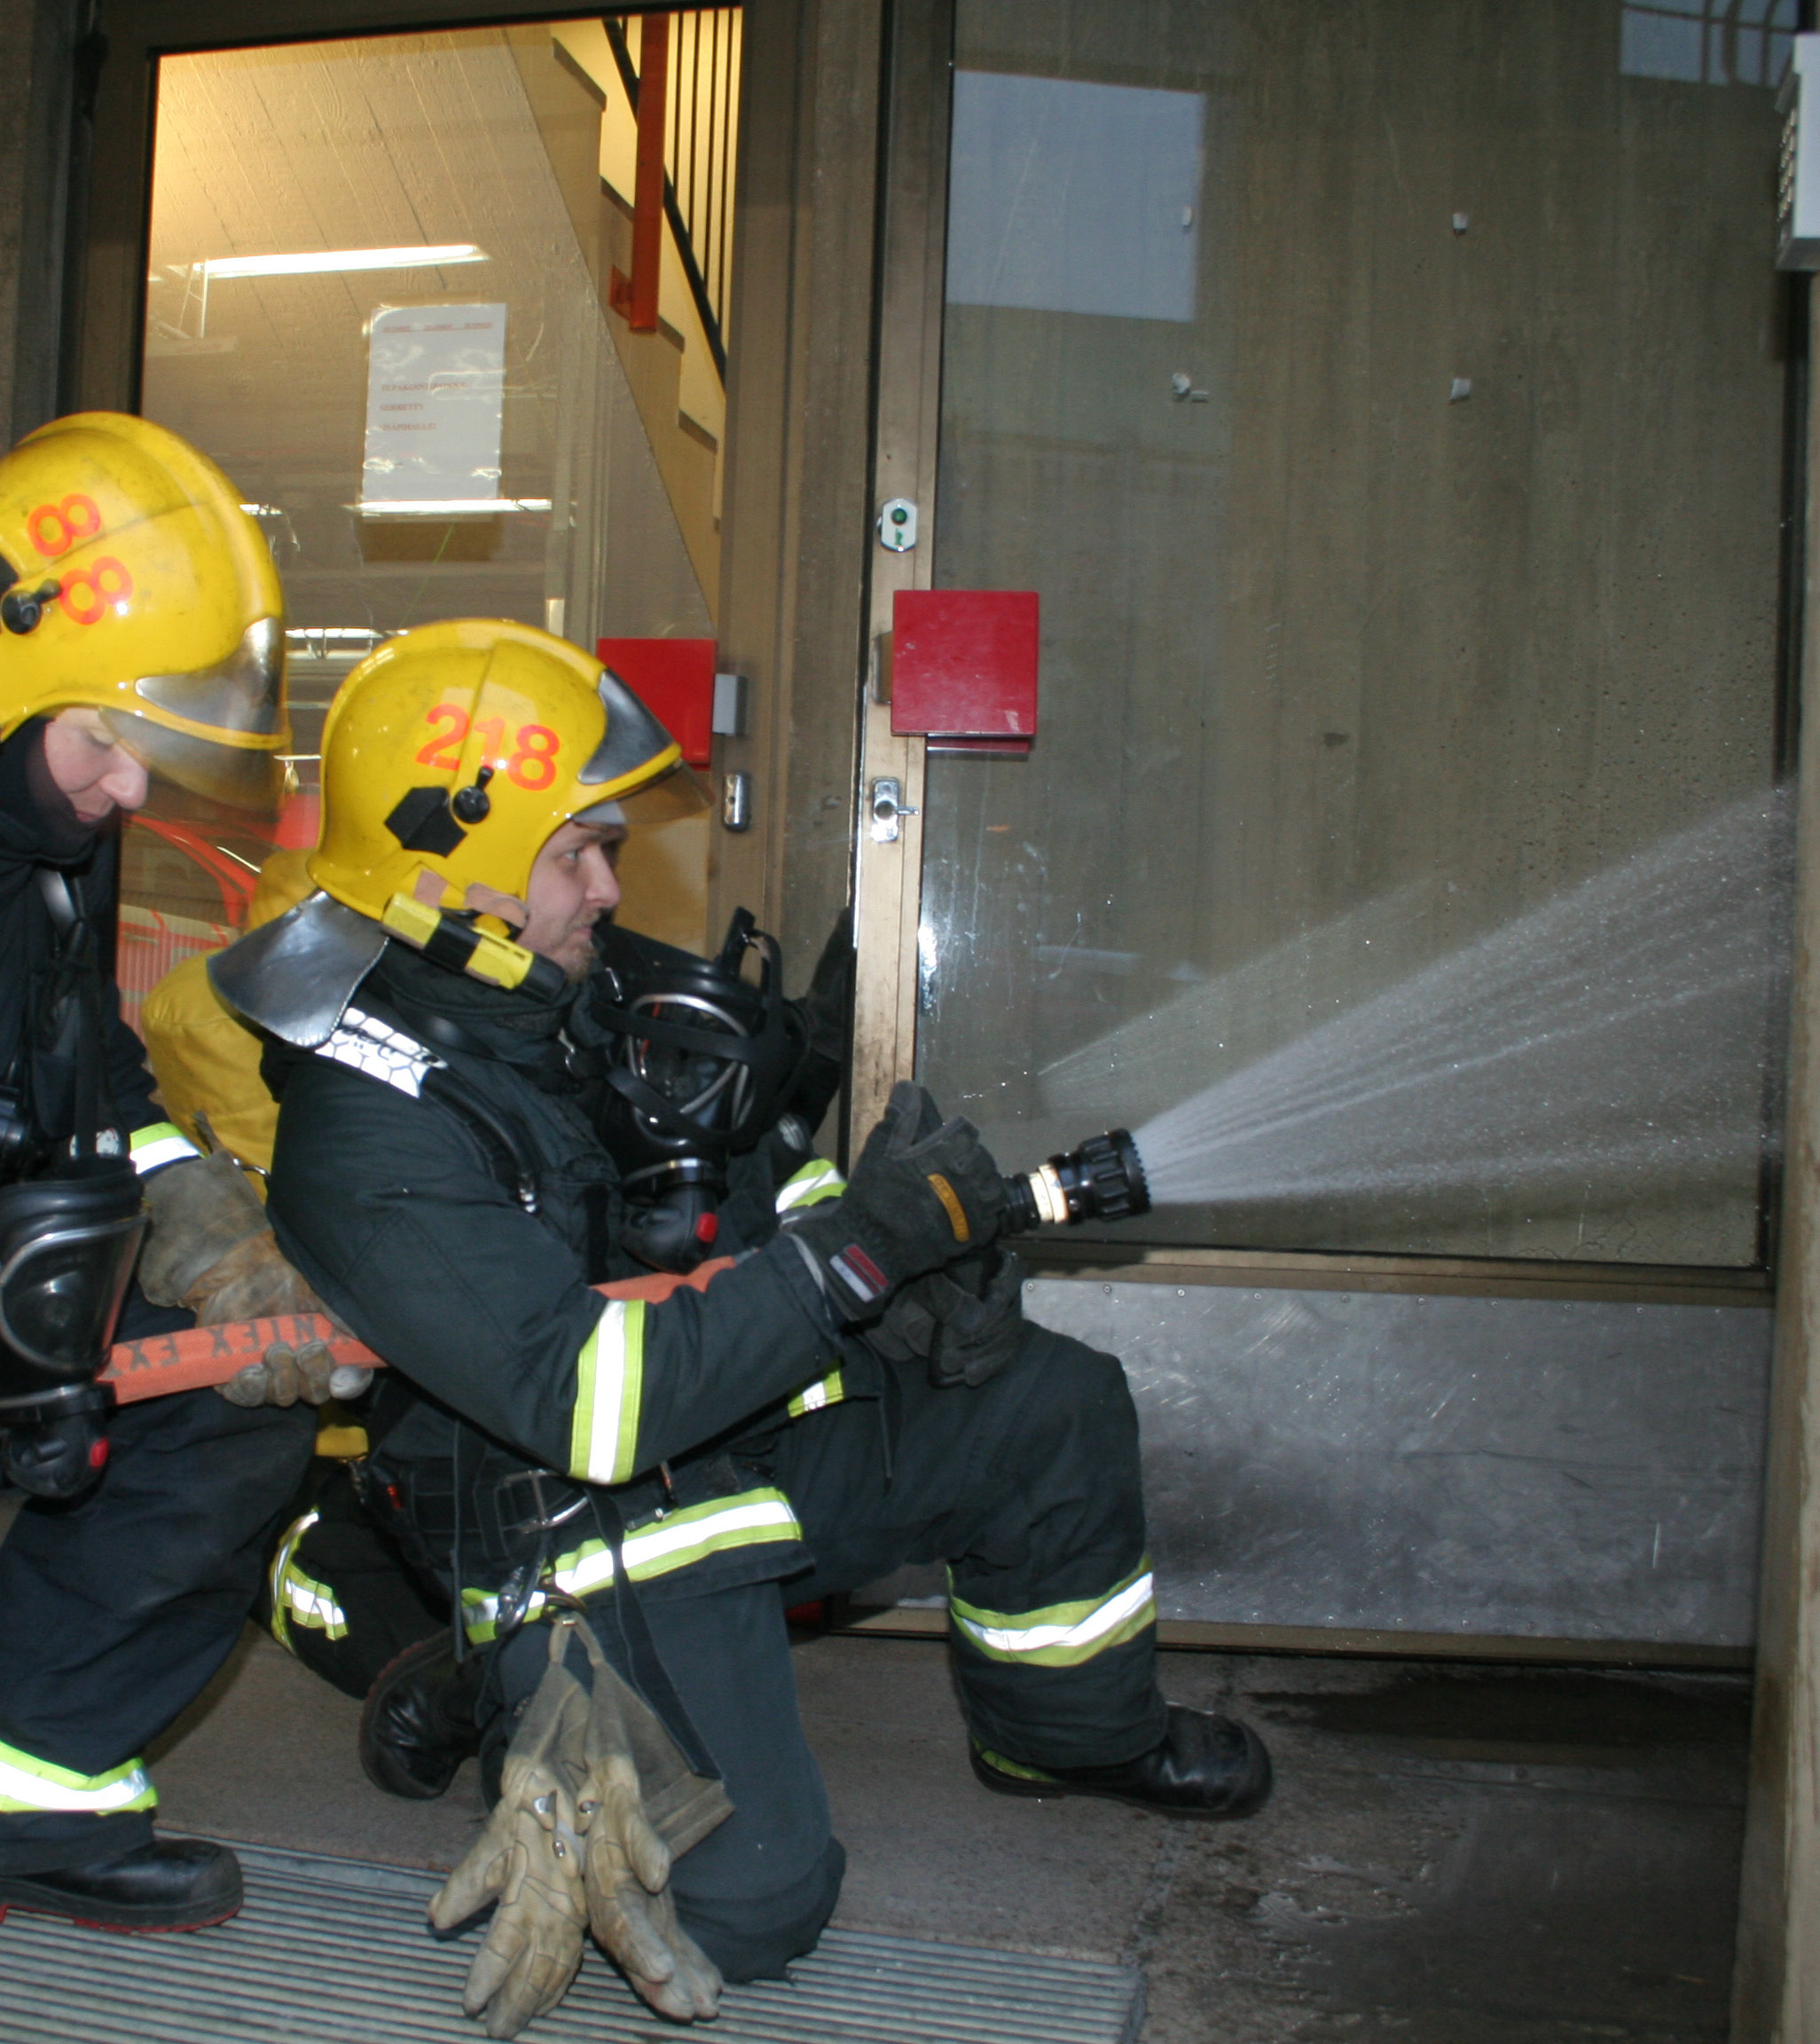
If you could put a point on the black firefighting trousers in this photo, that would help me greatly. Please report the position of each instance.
(116, 1609)
(1028, 1486)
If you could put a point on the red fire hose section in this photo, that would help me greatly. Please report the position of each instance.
(202, 1357)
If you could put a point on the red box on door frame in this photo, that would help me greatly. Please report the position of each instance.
(674, 680)
(964, 667)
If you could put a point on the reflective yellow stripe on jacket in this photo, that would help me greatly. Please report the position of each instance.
(817, 1181)
(609, 1384)
(1061, 1635)
(295, 1598)
(27, 1783)
(164, 1143)
(827, 1390)
(748, 1519)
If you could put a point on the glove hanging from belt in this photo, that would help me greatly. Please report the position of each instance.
(643, 1809)
(596, 1803)
(529, 1860)
(209, 1248)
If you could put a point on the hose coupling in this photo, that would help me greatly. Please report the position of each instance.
(1104, 1180)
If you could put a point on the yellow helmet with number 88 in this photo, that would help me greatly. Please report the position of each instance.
(453, 751)
(132, 583)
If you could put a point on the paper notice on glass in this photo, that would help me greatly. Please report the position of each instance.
(1067, 195)
(435, 398)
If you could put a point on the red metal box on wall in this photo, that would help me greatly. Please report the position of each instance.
(674, 680)
(964, 667)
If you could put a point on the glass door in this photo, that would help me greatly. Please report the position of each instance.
(1386, 405)
(399, 288)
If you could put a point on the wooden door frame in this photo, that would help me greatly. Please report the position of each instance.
(907, 429)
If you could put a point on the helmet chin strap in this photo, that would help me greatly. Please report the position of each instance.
(507, 909)
(458, 947)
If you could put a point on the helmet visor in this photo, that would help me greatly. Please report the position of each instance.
(635, 742)
(244, 694)
(675, 793)
(245, 776)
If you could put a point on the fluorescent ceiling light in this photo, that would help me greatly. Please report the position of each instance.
(445, 507)
(314, 262)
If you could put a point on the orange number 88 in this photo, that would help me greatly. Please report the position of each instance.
(87, 593)
(55, 528)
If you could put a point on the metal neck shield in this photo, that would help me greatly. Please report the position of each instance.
(295, 977)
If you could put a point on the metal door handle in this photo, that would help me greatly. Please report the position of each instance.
(887, 806)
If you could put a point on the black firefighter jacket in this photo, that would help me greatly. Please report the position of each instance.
(405, 1212)
(39, 831)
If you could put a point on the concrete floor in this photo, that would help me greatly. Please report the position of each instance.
(1455, 1854)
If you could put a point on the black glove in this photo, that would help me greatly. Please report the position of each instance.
(966, 1323)
(923, 1193)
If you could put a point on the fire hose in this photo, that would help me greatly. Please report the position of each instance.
(200, 1357)
(1104, 1180)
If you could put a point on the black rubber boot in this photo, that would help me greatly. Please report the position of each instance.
(1205, 1766)
(418, 1726)
(165, 1884)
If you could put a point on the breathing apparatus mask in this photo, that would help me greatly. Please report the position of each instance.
(699, 1062)
(71, 1220)
(67, 1244)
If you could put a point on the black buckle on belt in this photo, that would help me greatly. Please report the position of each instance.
(550, 1501)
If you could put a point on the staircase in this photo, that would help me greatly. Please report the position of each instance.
(639, 115)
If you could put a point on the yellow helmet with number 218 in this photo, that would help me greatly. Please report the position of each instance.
(449, 758)
(453, 751)
(132, 583)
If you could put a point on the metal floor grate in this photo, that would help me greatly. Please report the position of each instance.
(337, 1952)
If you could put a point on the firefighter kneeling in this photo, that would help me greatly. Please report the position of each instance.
(612, 1492)
(141, 635)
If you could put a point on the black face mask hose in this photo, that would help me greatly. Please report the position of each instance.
(1104, 1180)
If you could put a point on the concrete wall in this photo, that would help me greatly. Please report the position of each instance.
(794, 527)
(1518, 1467)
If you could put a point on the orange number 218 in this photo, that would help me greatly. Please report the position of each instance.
(531, 765)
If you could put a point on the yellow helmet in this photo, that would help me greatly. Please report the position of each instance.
(450, 754)
(134, 585)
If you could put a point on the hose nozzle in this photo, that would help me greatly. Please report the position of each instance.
(1104, 1180)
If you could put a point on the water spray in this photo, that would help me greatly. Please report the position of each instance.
(1102, 1180)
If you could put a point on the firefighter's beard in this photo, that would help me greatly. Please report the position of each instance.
(572, 947)
(576, 955)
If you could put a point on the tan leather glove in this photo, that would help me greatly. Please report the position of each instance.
(626, 1863)
(529, 1860)
(200, 1211)
(597, 1801)
(208, 1248)
(283, 1375)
